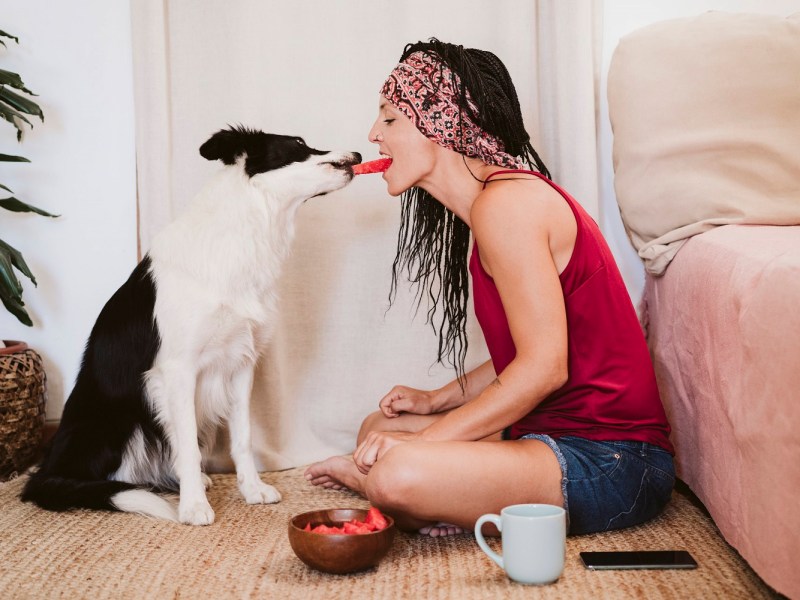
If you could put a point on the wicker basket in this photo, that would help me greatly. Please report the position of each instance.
(22, 406)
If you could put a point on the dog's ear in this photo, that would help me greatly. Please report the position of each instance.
(225, 145)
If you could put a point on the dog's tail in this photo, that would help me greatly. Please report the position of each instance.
(61, 493)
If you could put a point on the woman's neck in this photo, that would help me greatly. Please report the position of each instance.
(456, 182)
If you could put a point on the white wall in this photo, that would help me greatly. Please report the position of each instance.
(77, 57)
(620, 18)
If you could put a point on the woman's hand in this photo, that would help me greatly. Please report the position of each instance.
(376, 444)
(402, 399)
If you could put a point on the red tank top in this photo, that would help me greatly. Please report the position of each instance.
(611, 392)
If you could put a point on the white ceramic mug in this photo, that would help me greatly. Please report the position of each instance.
(533, 540)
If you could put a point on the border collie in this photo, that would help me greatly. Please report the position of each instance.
(173, 351)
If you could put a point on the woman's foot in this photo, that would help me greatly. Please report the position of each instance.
(336, 473)
(441, 529)
(340, 472)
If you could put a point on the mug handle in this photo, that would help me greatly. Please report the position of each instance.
(482, 542)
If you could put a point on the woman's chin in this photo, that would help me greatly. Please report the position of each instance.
(392, 188)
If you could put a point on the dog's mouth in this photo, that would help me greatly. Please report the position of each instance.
(341, 164)
(346, 164)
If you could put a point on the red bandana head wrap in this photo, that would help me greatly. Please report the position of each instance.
(426, 91)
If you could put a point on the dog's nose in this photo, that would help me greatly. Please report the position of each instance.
(356, 157)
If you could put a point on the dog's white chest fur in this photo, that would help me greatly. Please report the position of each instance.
(216, 269)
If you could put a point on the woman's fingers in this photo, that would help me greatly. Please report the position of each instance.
(389, 403)
(366, 454)
(376, 444)
(386, 406)
(403, 403)
(402, 399)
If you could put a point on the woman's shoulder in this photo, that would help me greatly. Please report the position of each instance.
(524, 202)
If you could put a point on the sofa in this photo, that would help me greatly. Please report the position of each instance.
(705, 113)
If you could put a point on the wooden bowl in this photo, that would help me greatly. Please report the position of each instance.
(338, 553)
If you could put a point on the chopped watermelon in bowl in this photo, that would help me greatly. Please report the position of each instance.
(375, 521)
(341, 540)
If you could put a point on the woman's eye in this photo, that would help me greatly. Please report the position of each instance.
(388, 121)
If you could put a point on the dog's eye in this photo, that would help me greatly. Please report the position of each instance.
(300, 141)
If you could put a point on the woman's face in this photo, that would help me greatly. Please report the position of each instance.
(413, 155)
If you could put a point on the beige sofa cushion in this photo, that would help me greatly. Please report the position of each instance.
(706, 119)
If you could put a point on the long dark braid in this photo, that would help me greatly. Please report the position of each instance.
(433, 243)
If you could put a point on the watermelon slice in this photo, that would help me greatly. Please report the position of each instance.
(375, 521)
(372, 166)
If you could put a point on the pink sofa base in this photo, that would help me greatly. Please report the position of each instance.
(724, 331)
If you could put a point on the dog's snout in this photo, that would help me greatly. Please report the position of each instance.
(356, 158)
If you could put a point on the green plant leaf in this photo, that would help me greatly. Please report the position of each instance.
(8, 35)
(14, 256)
(15, 305)
(15, 205)
(10, 287)
(14, 80)
(8, 281)
(12, 158)
(8, 114)
(12, 108)
(19, 103)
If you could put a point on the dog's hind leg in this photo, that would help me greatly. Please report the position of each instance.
(252, 488)
(179, 383)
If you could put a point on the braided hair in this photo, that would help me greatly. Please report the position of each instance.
(433, 243)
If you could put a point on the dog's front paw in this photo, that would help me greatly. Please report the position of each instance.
(258, 492)
(195, 512)
(207, 483)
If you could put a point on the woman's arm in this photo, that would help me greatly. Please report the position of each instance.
(452, 396)
(403, 399)
(518, 234)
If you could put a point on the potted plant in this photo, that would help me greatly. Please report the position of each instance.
(22, 376)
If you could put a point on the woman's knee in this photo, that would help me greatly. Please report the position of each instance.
(372, 422)
(392, 481)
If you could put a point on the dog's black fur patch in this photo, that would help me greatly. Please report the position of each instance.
(106, 405)
(263, 151)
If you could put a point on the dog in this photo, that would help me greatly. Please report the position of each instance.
(173, 351)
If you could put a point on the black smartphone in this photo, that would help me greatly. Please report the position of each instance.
(639, 559)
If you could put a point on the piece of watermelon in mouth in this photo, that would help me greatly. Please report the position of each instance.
(373, 166)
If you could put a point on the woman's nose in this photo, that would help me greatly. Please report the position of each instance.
(375, 136)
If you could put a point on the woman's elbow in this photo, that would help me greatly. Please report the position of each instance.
(550, 376)
(558, 377)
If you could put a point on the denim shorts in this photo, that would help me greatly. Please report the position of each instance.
(610, 485)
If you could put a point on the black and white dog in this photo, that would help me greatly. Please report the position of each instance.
(174, 349)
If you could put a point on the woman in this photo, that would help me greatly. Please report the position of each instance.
(567, 411)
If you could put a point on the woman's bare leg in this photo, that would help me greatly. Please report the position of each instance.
(340, 472)
(420, 483)
(449, 482)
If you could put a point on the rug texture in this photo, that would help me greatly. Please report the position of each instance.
(246, 554)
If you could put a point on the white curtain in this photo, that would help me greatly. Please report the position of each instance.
(314, 69)
(576, 137)
(569, 35)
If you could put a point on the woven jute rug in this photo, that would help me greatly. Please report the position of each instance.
(246, 554)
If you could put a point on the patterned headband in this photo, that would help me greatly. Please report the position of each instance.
(423, 89)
